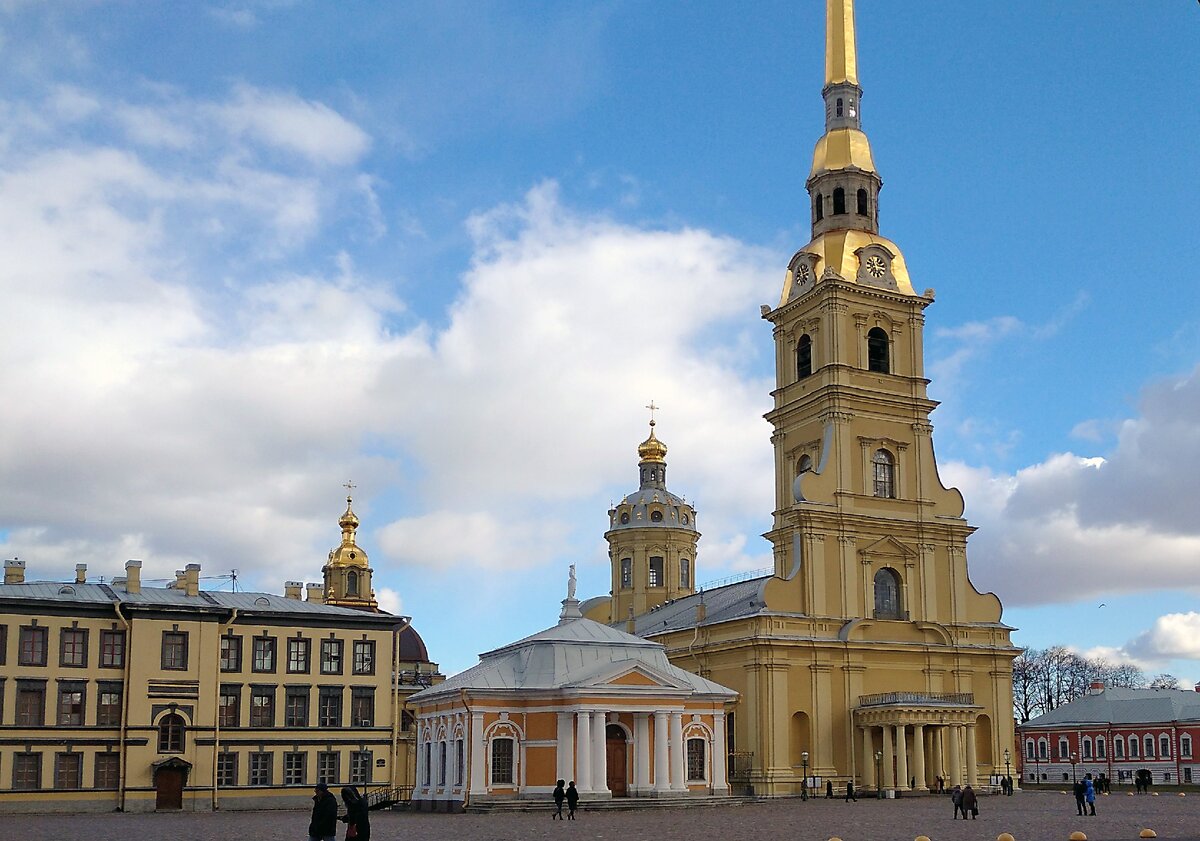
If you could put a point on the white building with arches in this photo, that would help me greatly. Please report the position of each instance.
(580, 701)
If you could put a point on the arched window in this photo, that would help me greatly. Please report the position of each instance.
(1064, 749)
(840, 107)
(862, 202)
(887, 594)
(352, 583)
(819, 207)
(1118, 747)
(624, 518)
(1185, 746)
(839, 201)
(170, 734)
(1133, 747)
(502, 761)
(1101, 750)
(685, 573)
(1087, 747)
(877, 351)
(805, 464)
(804, 357)
(884, 474)
(1149, 745)
(1029, 749)
(1043, 749)
(695, 760)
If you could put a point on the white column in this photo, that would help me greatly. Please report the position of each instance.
(599, 755)
(479, 778)
(661, 780)
(939, 754)
(868, 758)
(972, 764)
(583, 751)
(641, 752)
(901, 758)
(565, 762)
(719, 761)
(678, 757)
(955, 760)
(889, 771)
(919, 756)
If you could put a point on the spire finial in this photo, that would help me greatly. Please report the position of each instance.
(841, 56)
(349, 486)
(652, 409)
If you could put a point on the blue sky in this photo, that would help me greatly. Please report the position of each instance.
(450, 251)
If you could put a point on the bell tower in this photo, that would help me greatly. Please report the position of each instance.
(651, 538)
(347, 572)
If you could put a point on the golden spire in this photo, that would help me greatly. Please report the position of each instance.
(841, 57)
(652, 449)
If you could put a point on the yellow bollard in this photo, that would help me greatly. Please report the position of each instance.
(1154, 794)
(1078, 836)
(835, 838)
(1004, 836)
(1147, 833)
(1129, 793)
(1183, 794)
(921, 838)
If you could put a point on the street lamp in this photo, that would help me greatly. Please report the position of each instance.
(1074, 762)
(804, 788)
(879, 774)
(1007, 770)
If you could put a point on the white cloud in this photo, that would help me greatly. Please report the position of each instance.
(1173, 636)
(466, 540)
(390, 600)
(288, 122)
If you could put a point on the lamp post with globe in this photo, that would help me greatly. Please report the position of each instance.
(804, 762)
(879, 774)
(1007, 770)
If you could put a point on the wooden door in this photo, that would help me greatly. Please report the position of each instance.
(168, 784)
(615, 759)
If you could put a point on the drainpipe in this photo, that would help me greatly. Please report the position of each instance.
(396, 712)
(217, 708)
(462, 695)
(125, 693)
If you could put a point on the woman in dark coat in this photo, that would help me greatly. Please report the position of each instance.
(970, 803)
(357, 814)
(572, 800)
(560, 795)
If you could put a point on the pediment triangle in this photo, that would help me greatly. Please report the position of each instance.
(630, 676)
(889, 546)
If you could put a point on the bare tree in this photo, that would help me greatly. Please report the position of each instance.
(1045, 679)
(1164, 681)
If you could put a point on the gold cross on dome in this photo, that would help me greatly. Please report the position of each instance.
(652, 409)
(349, 486)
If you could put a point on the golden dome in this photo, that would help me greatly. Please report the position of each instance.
(838, 250)
(348, 520)
(652, 449)
(842, 148)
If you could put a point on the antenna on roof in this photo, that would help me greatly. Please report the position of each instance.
(233, 579)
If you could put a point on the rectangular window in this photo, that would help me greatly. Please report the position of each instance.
(329, 706)
(227, 769)
(1063, 751)
(298, 649)
(264, 654)
(1185, 746)
(260, 769)
(108, 771)
(364, 657)
(32, 646)
(293, 768)
(442, 764)
(685, 573)
(656, 572)
(112, 649)
(231, 653)
(108, 705)
(27, 771)
(360, 767)
(174, 651)
(262, 706)
(459, 767)
(3, 645)
(72, 648)
(295, 707)
(1087, 748)
(362, 707)
(502, 761)
(1133, 747)
(626, 573)
(331, 657)
(230, 708)
(1119, 748)
(1042, 749)
(1149, 745)
(70, 704)
(329, 766)
(68, 770)
(695, 759)
(1187, 775)
(1101, 751)
(31, 704)
(1164, 747)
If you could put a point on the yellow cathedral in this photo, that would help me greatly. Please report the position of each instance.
(867, 655)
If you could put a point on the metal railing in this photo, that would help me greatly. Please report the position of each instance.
(924, 698)
(384, 796)
(740, 764)
(735, 578)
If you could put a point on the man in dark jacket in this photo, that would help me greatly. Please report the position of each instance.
(323, 826)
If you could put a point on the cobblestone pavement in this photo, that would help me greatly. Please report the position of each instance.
(1036, 816)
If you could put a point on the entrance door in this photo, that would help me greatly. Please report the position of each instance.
(614, 746)
(168, 784)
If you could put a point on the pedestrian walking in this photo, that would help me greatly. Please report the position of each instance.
(323, 826)
(1089, 794)
(1080, 791)
(956, 798)
(560, 794)
(829, 789)
(850, 791)
(572, 800)
(970, 803)
(357, 817)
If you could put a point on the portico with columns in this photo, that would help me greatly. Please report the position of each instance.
(581, 702)
(909, 739)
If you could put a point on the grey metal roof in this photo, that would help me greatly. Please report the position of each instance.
(103, 594)
(573, 655)
(641, 499)
(721, 604)
(1117, 705)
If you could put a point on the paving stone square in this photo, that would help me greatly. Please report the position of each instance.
(1029, 816)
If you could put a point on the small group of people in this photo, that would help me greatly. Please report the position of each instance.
(964, 800)
(570, 794)
(323, 826)
(1085, 796)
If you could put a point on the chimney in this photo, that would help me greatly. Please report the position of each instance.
(630, 625)
(14, 572)
(191, 579)
(133, 576)
(80, 573)
(293, 589)
(701, 612)
(1198, 687)
(1097, 688)
(315, 593)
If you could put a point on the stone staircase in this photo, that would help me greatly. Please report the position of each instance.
(615, 804)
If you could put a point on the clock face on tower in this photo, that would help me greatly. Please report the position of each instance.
(875, 266)
(802, 273)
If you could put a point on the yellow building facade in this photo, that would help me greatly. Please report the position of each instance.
(867, 655)
(120, 696)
